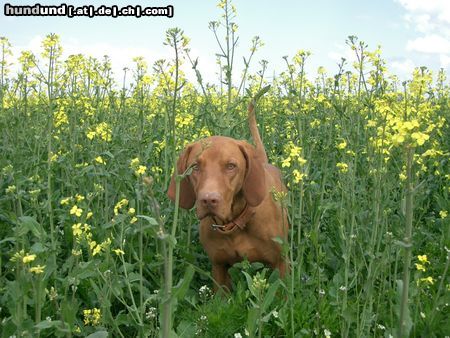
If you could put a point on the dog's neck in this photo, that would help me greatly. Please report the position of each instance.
(238, 206)
(241, 215)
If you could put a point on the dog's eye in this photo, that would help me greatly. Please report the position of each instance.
(231, 166)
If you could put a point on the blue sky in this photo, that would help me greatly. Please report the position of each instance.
(411, 32)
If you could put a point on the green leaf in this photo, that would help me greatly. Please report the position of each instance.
(149, 219)
(261, 93)
(38, 248)
(84, 270)
(274, 276)
(408, 320)
(98, 334)
(108, 153)
(249, 283)
(183, 285)
(278, 240)
(186, 329)
(270, 295)
(252, 318)
(46, 324)
(69, 311)
(133, 277)
(169, 238)
(29, 224)
(403, 244)
(8, 239)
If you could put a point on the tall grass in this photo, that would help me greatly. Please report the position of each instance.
(90, 243)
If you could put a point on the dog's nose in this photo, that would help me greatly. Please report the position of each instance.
(210, 199)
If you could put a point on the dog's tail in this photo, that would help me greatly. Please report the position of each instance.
(260, 151)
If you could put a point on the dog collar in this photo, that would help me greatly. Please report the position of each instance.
(239, 222)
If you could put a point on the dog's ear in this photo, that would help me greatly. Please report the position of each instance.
(254, 186)
(187, 194)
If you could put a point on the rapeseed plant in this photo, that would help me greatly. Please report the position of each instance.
(92, 316)
(355, 148)
(75, 210)
(38, 269)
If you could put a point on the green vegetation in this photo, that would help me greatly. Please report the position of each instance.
(91, 245)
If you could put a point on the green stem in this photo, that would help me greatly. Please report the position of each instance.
(168, 267)
(408, 243)
(168, 245)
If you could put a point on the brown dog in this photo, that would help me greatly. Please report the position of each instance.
(232, 185)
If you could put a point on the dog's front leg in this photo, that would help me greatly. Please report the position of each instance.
(221, 276)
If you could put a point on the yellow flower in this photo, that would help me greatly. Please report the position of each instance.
(295, 151)
(398, 139)
(54, 157)
(76, 211)
(420, 138)
(428, 280)
(298, 176)
(104, 131)
(76, 252)
(133, 220)
(10, 189)
(92, 244)
(301, 161)
(140, 170)
(92, 317)
(119, 252)
(90, 134)
(420, 267)
(314, 123)
(28, 258)
(76, 229)
(132, 211)
(89, 215)
(60, 117)
(343, 167)
(286, 162)
(443, 214)
(105, 244)
(423, 259)
(37, 269)
(100, 160)
(17, 256)
(184, 121)
(410, 125)
(342, 145)
(65, 201)
(119, 205)
(97, 250)
(79, 197)
(402, 177)
(371, 123)
(134, 163)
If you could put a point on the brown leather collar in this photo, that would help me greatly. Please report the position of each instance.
(239, 222)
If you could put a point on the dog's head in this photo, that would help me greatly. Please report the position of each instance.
(223, 169)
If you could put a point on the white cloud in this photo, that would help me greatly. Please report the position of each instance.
(426, 15)
(426, 6)
(433, 44)
(445, 61)
(120, 57)
(342, 51)
(403, 68)
(421, 22)
(431, 19)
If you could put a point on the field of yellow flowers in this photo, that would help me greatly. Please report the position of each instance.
(91, 246)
